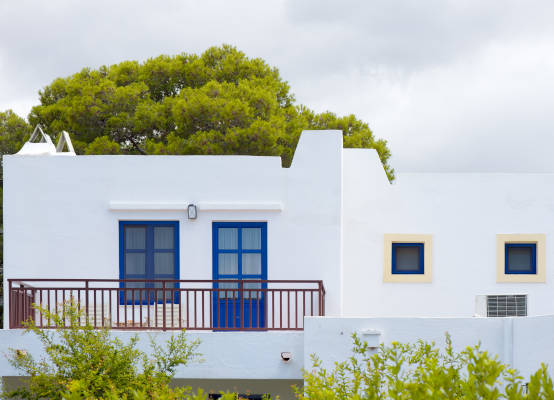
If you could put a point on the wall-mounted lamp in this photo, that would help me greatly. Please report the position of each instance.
(191, 211)
(286, 356)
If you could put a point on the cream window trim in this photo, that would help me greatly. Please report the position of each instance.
(539, 239)
(427, 241)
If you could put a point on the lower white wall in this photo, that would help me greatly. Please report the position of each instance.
(522, 342)
(225, 355)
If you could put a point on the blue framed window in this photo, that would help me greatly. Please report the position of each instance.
(408, 258)
(520, 258)
(148, 250)
(239, 251)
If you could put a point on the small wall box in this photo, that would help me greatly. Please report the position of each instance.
(372, 337)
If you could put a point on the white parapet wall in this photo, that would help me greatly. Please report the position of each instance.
(523, 343)
(223, 355)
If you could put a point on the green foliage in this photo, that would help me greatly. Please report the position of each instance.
(421, 371)
(13, 132)
(90, 363)
(102, 145)
(219, 102)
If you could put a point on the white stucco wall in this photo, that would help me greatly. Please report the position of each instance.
(463, 212)
(58, 222)
(224, 355)
(521, 342)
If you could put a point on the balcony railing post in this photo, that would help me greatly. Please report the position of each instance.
(86, 303)
(11, 308)
(322, 296)
(164, 326)
(22, 307)
(241, 294)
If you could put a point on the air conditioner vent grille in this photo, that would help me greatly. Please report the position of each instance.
(507, 305)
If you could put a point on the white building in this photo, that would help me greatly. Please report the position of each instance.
(325, 247)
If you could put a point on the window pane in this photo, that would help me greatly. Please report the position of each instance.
(160, 293)
(228, 264)
(135, 264)
(252, 263)
(254, 292)
(252, 238)
(164, 263)
(228, 238)
(520, 259)
(407, 258)
(163, 237)
(228, 294)
(135, 295)
(135, 237)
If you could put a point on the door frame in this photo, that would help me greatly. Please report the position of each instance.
(239, 276)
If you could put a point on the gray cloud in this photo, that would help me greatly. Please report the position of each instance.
(452, 85)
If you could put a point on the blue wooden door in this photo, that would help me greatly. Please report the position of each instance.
(239, 256)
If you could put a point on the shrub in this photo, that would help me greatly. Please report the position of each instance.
(90, 363)
(421, 371)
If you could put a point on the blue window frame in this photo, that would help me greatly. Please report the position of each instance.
(148, 250)
(520, 258)
(408, 258)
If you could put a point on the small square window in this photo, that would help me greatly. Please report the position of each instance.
(408, 258)
(520, 258)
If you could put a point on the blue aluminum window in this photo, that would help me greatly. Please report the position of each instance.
(408, 258)
(148, 250)
(520, 258)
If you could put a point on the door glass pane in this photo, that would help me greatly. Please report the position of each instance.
(168, 293)
(251, 263)
(251, 238)
(164, 263)
(135, 295)
(228, 238)
(228, 294)
(135, 263)
(135, 237)
(253, 291)
(163, 237)
(407, 258)
(228, 263)
(519, 259)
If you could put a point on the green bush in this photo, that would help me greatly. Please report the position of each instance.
(421, 371)
(84, 362)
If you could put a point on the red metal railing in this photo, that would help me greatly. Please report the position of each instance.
(139, 304)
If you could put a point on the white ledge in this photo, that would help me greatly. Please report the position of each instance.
(202, 206)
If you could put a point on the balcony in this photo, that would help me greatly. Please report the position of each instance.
(137, 304)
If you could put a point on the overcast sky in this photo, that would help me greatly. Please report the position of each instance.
(463, 85)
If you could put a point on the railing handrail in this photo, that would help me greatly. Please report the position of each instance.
(14, 280)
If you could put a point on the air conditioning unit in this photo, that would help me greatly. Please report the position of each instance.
(504, 305)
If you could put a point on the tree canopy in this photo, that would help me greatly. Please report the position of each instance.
(219, 102)
(13, 132)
